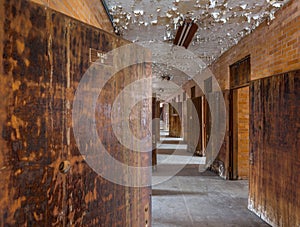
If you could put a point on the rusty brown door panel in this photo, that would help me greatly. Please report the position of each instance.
(175, 116)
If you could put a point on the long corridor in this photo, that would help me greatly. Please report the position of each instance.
(198, 199)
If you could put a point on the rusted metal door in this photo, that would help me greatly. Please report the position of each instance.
(193, 129)
(205, 123)
(175, 116)
(155, 129)
(198, 117)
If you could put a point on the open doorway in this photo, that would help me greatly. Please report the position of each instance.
(239, 120)
(239, 139)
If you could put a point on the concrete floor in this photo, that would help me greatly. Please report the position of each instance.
(194, 199)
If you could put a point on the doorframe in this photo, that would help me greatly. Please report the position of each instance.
(239, 78)
(233, 133)
(232, 165)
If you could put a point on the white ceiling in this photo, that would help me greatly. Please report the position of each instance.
(222, 23)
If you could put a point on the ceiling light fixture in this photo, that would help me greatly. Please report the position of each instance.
(162, 72)
(185, 33)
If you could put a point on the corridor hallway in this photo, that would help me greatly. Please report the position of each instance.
(79, 81)
(193, 199)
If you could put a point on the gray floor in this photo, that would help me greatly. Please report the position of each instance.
(200, 199)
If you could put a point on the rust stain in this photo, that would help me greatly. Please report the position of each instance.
(20, 46)
(90, 12)
(16, 85)
(274, 108)
(16, 123)
(46, 54)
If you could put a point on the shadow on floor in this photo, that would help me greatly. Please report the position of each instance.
(158, 192)
(192, 170)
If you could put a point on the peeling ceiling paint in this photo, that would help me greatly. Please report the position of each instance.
(222, 23)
